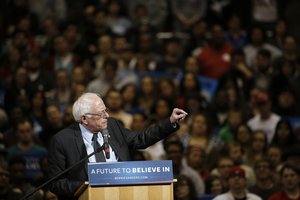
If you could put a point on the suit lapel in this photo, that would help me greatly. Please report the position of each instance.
(80, 146)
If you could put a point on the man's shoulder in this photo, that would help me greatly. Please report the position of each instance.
(68, 131)
(224, 196)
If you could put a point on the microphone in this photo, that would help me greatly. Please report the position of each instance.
(106, 136)
(61, 173)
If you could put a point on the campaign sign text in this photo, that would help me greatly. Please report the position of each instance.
(129, 173)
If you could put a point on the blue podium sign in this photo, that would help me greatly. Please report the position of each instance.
(129, 173)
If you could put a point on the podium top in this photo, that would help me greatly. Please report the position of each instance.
(130, 173)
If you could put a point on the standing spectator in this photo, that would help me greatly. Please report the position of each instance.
(289, 178)
(237, 186)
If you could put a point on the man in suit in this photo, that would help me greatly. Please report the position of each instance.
(75, 142)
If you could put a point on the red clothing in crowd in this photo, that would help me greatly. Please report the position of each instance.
(215, 62)
(281, 196)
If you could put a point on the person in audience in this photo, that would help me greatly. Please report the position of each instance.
(27, 148)
(265, 185)
(19, 183)
(184, 189)
(113, 100)
(175, 152)
(213, 186)
(289, 179)
(265, 120)
(237, 186)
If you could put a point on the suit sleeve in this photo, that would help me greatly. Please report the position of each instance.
(63, 186)
(149, 136)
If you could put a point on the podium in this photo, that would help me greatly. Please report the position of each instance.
(154, 182)
(131, 192)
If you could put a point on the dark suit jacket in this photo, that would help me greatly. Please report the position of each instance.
(67, 147)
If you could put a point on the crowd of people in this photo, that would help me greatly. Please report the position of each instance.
(234, 67)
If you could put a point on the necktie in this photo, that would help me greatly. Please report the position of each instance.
(99, 156)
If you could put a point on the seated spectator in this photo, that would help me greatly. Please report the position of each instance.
(114, 101)
(19, 183)
(265, 185)
(258, 147)
(195, 157)
(6, 192)
(175, 151)
(265, 120)
(27, 148)
(184, 189)
(214, 186)
(237, 186)
(284, 136)
(289, 178)
(222, 170)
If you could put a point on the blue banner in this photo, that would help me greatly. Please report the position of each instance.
(130, 173)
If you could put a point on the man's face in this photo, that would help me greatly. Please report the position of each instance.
(25, 132)
(289, 179)
(114, 101)
(96, 120)
(263, 170)
(174, 153)
(237, 182)
(195, 159)
(224, 166)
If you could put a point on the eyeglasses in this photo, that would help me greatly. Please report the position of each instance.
(102, 114)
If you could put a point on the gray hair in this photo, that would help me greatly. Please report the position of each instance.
(84, 105)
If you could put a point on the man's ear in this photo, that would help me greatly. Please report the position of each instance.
(83, 120)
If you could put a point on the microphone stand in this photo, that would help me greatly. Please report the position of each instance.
(61, 173)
